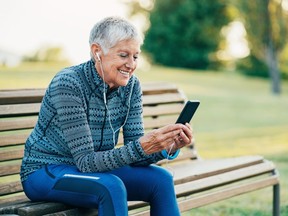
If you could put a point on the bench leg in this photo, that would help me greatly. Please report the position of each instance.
(276, 198)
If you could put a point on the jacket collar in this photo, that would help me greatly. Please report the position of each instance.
(97, 84)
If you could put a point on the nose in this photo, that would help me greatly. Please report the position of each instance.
(130, 63)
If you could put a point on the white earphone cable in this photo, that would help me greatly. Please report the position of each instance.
(108, 111)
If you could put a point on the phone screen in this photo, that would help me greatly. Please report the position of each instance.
(188, 111)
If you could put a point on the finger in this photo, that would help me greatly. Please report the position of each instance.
(179, 142)
(189, 127)
(166, 135)
(184, 138)
(171, 127)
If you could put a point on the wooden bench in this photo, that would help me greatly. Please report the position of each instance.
(198, 182)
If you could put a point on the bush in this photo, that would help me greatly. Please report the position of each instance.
(252, 66)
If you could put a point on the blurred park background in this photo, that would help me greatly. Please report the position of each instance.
(232, 55)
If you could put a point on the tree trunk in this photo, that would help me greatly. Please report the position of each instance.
(271, 55)
(272, 63)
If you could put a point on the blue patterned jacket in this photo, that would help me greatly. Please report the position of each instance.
(74, 127)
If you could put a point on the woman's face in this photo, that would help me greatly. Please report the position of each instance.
(120, 63)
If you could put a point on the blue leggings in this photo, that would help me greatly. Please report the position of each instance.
(107, 191)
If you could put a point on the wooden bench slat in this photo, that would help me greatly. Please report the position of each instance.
(229, 192)
(15, 96)
(13, 139)
(222, 179)
(92, 212)
(163, 98)
(75, 212)
(11, 154)
(215, 196)
(10, 167)
(166, 109)
(10, 188)
(158, 88)
(19, 109)
(9, 204)
(18, 123)
(42, 209)
(13, 209)
(199, 169)
(159, 122)
(132, 205)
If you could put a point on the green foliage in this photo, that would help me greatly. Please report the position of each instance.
(263, 19)
(185, 33)
(266, 25)
(252, 66)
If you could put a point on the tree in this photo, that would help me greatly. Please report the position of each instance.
(264, 21)
(185, 33)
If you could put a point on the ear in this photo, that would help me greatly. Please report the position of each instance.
(95, 48)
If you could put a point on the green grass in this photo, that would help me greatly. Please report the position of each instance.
(28, 75)
(237, 116)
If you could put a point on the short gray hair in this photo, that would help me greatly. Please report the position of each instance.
(111, 30)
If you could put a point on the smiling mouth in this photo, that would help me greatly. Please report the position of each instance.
(125, 73)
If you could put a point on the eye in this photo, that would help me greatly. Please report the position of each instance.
(126, 55)
(123, 55)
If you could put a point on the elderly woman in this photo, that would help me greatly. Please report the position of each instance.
(70, 156)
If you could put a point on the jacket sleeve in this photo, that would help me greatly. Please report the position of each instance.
(134, 128)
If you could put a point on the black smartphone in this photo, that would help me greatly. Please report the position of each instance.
(188, 111)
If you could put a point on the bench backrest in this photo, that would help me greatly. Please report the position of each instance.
(162, 103)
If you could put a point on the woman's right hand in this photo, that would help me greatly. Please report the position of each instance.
(164, 137)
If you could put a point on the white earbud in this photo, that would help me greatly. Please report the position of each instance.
(98, 57)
